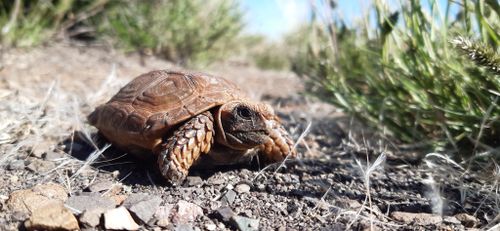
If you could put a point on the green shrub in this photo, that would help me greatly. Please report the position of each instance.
(275, 55)
(29, 23)
(404, 76)
(192, 31)
(184, 31)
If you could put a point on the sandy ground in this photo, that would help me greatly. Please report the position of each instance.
(341, 182)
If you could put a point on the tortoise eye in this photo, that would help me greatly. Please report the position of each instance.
(244, 112)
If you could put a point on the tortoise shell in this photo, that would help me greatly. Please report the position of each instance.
(153, 104)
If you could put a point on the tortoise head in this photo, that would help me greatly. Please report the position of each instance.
(243, 124)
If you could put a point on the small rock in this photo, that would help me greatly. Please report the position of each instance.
(215, 180)
(229, 197)
(210, 227)
(419, 218)
(186, 212)
(115, 174)
(40, 149)
(221, 226)
(451, 220)
(247, 212)
(294, 179)
(40, 166)
(16, 165)
(91, 218)
(245, 223)
(242, 188)
(14, 179)
(27, 200)
(52, 216)
(164, 223)
(19, 216)
(119, 199)
(100, 186)
(310, 201)
(89, 202)
(224, 213)
(162, 214)
(183, 227)
(52, 156)
(120, 219)
(229, 186)
(467, 220)
(142, 205)
(193, 181)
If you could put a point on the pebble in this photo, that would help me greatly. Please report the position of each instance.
(242, 188)
(89, 202)
(52, 156)
(417, 218)
(40, 149)
(142, 205)
(14, 179)
(19, 216)
(118, 199)
(467, 220)
(224, 213)
(186, 212)
(119, 219)
(210, 227)
(162, 215)
(27, 200)
(193, 181)
(40, 166)
(215, 180)
(16, 165)
(245, 223)
(91, 218)
(101, 186)
(52, 216)
(229, 197)
(183, 227)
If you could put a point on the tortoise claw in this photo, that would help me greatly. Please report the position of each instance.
(172, 173)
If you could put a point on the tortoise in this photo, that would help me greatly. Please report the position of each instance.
(185, 118)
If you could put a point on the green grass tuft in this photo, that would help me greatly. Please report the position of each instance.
(183, 31)
(404, 76)
(186, 32)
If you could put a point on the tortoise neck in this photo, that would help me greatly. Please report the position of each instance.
(220, 133)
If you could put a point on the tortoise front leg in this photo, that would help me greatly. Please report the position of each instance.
(279, 146)
(180, 151)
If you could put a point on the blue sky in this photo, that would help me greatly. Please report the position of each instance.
(273, 18)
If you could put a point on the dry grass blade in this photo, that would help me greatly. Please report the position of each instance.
(90, 160)
(378, 163)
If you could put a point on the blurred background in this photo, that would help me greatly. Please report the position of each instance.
(422, 72)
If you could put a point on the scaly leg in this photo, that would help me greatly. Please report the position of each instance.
(180, 151)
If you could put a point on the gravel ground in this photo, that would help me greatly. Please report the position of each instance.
(52, 177)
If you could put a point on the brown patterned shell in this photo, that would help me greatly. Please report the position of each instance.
(144, 110)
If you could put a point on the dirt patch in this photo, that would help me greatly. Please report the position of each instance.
(339, 183)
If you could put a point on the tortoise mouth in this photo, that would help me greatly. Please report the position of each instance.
(247, 139)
